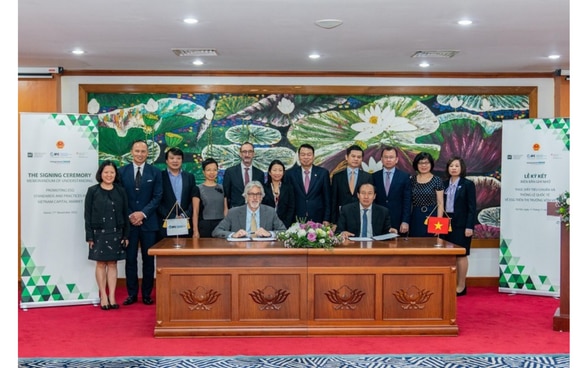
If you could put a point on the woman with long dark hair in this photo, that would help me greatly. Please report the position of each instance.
(279, 193)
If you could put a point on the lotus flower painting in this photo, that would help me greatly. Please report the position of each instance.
(214, 125)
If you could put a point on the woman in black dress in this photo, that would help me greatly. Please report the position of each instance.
(107, 229)
(460, 205)
(427, 194)
(279, 193)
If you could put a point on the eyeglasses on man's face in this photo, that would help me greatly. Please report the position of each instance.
(254, 194)
(247, 152)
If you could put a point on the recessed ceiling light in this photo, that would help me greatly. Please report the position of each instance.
(314, 56)
(424, 64)
(198, 62)
(195, 52)
(554, 57)
(78, 52)
(328, 23)
(190, 20)
(464, 22)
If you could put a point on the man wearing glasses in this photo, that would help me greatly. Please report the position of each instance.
(252, 219)
(236, 177)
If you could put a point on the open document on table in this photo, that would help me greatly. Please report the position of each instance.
(376, 237)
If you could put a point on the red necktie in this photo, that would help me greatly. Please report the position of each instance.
(306, 180)
(246, 175)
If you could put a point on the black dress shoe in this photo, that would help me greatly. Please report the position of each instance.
(463, 292)
(130, 300)
(112, 306)
(147, 300)
(105, 307)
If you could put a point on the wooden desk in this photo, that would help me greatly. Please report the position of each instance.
(212, 287)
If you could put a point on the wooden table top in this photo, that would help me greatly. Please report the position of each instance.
(213, 246)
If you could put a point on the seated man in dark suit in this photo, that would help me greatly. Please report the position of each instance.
(364, 218)
(253, 219)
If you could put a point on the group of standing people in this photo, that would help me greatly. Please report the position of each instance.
(126, 210)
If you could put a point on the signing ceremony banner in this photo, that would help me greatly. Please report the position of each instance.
(58, 162)
(535, 171)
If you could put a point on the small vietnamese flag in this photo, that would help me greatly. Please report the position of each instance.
(438, 225)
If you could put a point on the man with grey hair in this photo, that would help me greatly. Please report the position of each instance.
(252, 219)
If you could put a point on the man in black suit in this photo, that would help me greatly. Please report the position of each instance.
(364, 218)
(393, 190)
(344, 184)
(179, 187)
(142, 182)
(236, 177)
(312, 187)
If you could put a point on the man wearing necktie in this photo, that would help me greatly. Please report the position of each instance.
(312, 188)
(345, 183)
(253, 219)
(393, 190)
(143, 185)
(364, 218)
(236, 177)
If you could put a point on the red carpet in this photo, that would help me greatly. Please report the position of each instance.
(489, 322)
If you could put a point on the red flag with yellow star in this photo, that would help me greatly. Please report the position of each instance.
(438, 225)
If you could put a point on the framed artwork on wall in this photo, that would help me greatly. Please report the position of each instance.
(213, 121)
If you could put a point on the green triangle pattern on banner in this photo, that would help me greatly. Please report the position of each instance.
(511, 272)
(36, 285)
(25, 257)
(560, 126)
(88, 125)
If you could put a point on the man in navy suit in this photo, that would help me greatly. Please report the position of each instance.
(376, 221)
(393, 190)
(179, 187)
(344, 184)
(142, 182)
(236, 177)
(312, 187)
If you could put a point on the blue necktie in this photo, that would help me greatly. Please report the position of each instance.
(364, 224)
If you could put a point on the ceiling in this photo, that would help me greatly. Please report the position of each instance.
(278, 35)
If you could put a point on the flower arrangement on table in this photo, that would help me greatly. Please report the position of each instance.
(563, 207)
(309, 234)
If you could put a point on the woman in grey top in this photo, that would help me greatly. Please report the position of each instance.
(211, 201)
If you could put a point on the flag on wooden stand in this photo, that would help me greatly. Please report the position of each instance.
(438, 225)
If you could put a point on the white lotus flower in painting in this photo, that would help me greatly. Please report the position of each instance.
(372, 166)
(285, 106)
(93, 106)
(151, 105)
(376, 121)
(486, 105)
(455, 102)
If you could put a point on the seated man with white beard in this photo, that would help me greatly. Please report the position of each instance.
(253, 219)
